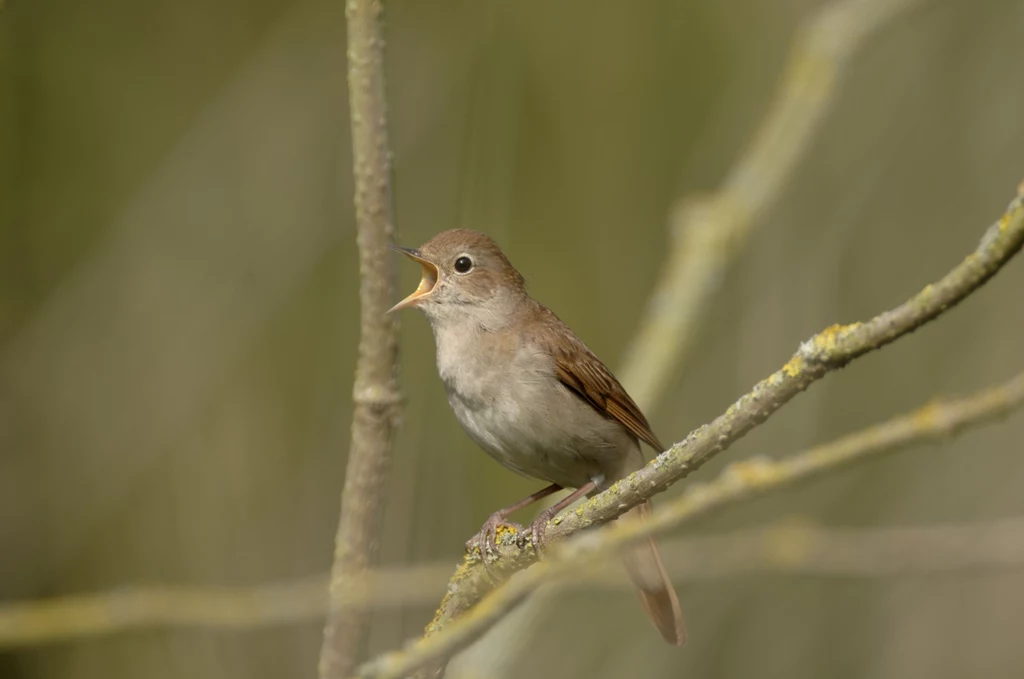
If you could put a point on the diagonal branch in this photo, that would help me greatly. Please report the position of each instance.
(792, 547)
(829, 350)
(375, 391)
(739, 481)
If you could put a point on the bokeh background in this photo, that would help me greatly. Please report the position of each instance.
(178, 307)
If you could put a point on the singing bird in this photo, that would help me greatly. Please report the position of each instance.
(531, 394)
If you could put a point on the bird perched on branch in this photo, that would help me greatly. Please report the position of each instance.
(531, 394)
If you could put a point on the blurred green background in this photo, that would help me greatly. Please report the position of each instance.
(178, 305)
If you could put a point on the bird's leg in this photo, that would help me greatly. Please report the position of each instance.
(485, 538)
(539, 525)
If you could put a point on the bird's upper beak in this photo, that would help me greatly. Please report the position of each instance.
(427, 283)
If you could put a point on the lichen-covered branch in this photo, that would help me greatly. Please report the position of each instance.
(375, 392)
(739, 481)
(829, 350)
(709, 231)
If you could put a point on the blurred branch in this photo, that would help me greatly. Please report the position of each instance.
(799, 548)
(134, 607)
(463, 617)
(710, 231)
(375, 392)
(129, 608)
(790, 547)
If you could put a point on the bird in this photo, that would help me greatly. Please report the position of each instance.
(533, 396)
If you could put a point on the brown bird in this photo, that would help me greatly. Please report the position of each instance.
(531, 394)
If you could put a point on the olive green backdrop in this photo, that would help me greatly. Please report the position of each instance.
(178, 305)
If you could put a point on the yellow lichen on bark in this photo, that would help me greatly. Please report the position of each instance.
(794, 367)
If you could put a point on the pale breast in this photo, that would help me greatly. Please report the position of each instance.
(504, 393)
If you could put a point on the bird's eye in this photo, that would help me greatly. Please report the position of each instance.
(463, 264)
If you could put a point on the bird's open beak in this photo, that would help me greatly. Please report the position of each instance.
(427, 283)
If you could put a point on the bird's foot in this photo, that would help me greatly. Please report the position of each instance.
(486, 538)
(539, 528)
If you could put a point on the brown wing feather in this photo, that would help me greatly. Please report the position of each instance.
(582, 372)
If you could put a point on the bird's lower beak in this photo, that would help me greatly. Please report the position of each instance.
(427, 283)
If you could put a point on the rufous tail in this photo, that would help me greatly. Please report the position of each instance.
(653, 586)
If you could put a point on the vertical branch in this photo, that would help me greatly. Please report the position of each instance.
(375, 392)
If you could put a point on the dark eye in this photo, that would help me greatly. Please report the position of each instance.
(463, 264)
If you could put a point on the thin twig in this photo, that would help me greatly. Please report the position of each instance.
(710, 231)
(827, 351)
(375, 392)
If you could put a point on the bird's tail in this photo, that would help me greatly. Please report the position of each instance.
(643, 563)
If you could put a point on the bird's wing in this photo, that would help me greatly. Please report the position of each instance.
(583, 373)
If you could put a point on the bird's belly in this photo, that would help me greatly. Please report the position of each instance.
(530, 439)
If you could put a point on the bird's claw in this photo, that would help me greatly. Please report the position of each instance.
(487, 537)
(539, 529)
